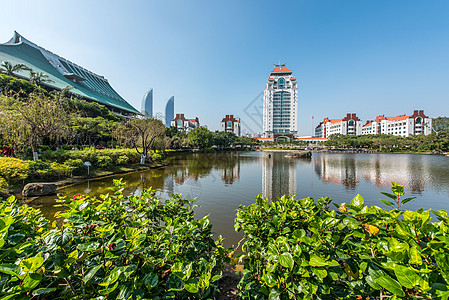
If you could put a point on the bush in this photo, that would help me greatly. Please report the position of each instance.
(76, 164)
(303, 250)
(13, 170)
(56, 170)
(104, 161)
(116, 247)
(36, 165)
(3, 184)
(156, 157)
(122, 160)
(91, 155)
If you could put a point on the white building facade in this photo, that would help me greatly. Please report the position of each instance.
(280, 105)
(230, 124)
(349, 125)
(184, 124)
(403, 125)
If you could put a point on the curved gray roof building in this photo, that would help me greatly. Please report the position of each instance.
(169, 111)
(147, 104)
(63, 73)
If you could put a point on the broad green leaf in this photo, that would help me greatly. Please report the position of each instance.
(386, 202)
(391, 285)
(108, 290)
(269, 279)
(191, 286)
(91, 273)
(274, 295)
(112, 277)
(320, 272)
(358, 202)
(89, 246)
(391, 196)
(415, 257)
(174, 283)
(31, 264)
(370, 280)
(42, 291)
(407, 200)
(10, 269)
(150, 280)
(286, 260)
(316, 261)
(31, 281)
(12, 296)
(406, 276)
(5, 223)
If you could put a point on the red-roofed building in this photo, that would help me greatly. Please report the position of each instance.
(403, 125)
(280, 105)
(230, 124)
(349, 125)
(182, 123)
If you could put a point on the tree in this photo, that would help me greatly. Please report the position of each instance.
(27, 123)
(39, 78)
(9, 69)
(224, 139)
(144, 134)
(200, 137)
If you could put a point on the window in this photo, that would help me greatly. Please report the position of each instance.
(229, 124)
(179, 123)
(281, 82)
(418, 120)
(351, 123)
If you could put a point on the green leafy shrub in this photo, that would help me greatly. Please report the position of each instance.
(3, 184)
(54, 169)
(13, 169)
(115, 247)
(76, 164)
(156, 157)
(36, 165)
(299, 249)
(104, 161)
(91, 155)
(122, 160)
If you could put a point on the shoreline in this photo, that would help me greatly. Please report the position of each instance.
(353, 151)
(66, 182)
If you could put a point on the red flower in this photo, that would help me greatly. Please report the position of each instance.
(112, 246)
(59, 194)
(76, 196)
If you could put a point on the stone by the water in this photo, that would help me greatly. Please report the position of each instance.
(39, 189)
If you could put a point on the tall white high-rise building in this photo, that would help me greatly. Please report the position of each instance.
(280, 105)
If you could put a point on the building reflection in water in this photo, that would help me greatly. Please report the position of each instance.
(378, 169)
(278, 175)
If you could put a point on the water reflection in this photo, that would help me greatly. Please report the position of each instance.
(278, 175)
(414, 171)
(223, 181)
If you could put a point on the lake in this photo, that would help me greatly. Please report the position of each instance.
(223, 181)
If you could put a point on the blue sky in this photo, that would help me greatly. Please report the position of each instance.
(368, 57)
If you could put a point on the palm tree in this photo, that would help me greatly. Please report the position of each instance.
(65, 92)
(9, 69)
(39, 78)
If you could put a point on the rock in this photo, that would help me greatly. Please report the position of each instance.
(39, 189)
(300, 154)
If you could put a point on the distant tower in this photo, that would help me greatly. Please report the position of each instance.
(147, 104)
(280, 105)
(169, 111)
